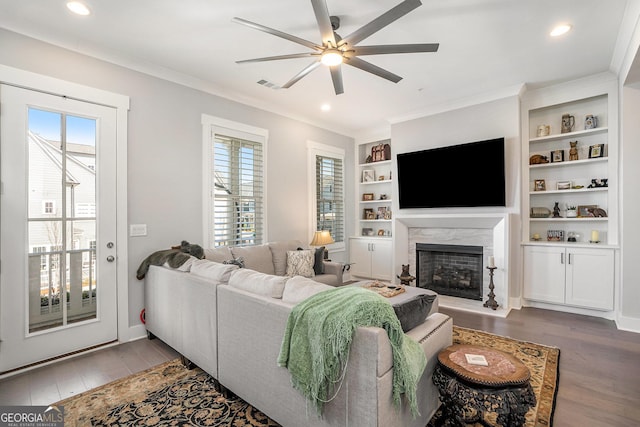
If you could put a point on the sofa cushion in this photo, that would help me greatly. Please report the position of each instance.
(256, 257)
(279, 254)
(413, 311)
(220, 254)
(300, 263)
(258, 283)
(299, 288)
(215, 271)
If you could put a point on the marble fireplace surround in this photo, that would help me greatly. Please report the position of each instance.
(487, 230)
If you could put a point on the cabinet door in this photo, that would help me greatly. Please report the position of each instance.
(360, 257)
(544, 274)
(381, 260)
(590, 278)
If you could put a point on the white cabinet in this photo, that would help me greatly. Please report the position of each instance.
(371, 258)
(575, 276)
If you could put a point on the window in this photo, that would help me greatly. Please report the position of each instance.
(236, 187)
(328, 193)
(48, 207)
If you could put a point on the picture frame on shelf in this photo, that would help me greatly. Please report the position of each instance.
(367, 196)
(382, 210)
(368, 175)
(596, 151)
(539, 185)
(557, 156)
(367, 231)
(563, 185)
(555, 235)
(368, 214)
(583, 210)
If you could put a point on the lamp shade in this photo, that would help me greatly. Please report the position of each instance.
(321, 238)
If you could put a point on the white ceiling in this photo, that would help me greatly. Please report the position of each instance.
(488, 48)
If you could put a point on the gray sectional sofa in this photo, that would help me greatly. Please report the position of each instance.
(230, 322)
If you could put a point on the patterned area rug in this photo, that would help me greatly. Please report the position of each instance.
(170, 394)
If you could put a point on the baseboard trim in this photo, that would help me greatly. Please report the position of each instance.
(631, 324)
(137, 332)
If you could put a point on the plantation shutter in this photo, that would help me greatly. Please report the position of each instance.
(238, 192)
(330, 196)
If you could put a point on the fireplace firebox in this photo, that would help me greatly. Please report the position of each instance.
(454, 270)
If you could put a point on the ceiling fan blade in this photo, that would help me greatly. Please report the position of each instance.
(381, 21)
(324, 21)
(278, 33)
(336, 76)
(394, 48)
(373, 69)
(309, 68)
(275, 58)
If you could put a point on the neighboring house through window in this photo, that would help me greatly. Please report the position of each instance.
(326, 172)
(234, 182)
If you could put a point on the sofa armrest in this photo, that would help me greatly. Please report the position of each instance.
(335, 268)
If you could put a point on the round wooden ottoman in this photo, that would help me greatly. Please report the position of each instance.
(469, 390)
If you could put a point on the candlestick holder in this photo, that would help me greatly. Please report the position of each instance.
(491, 302)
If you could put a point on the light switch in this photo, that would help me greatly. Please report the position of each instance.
(136, 230)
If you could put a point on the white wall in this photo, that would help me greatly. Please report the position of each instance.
(630, 198)
(164, 152)
(500, 118)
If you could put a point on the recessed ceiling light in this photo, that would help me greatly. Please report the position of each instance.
(78, 8)
(560, 30)
(325, 107)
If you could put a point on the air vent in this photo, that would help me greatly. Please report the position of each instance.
(267, 83)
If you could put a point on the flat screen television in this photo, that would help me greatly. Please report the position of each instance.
(464, 175)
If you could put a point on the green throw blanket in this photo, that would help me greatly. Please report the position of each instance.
(315, 347)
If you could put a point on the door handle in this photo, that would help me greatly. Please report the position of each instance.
(562, 258)
(110, 258)
(569, 259)
(110, 245)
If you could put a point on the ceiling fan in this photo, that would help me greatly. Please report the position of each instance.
(335, 50)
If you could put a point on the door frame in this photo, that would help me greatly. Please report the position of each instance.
(38, 82)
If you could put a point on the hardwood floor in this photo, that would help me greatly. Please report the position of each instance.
(599, 366)
(599, 382)
(49, 384)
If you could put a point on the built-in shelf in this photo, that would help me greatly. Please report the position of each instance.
(575, 134)
(375, 220)
(381, 162)
(582, 219)
(376, 201)
(569, 163)
(576, 190)
(380, 181)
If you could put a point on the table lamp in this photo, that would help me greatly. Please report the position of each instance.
(322, 238)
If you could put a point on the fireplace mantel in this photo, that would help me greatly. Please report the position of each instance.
(451, 220)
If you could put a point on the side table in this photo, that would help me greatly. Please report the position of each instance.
(469, 391)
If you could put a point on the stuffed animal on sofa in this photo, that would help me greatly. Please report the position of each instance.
(174, 257)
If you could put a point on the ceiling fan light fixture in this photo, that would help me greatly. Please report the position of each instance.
(331, 57)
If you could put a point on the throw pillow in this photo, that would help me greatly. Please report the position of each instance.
(413, 311)
(218, 254)
(299, 288)
(300, 263)
(318, 263)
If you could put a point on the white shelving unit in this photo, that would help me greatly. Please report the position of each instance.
(371, 247)
(575, 275)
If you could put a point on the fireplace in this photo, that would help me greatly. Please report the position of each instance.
(454, 270)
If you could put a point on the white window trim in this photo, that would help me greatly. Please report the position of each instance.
(318, 149)
(210, 126)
